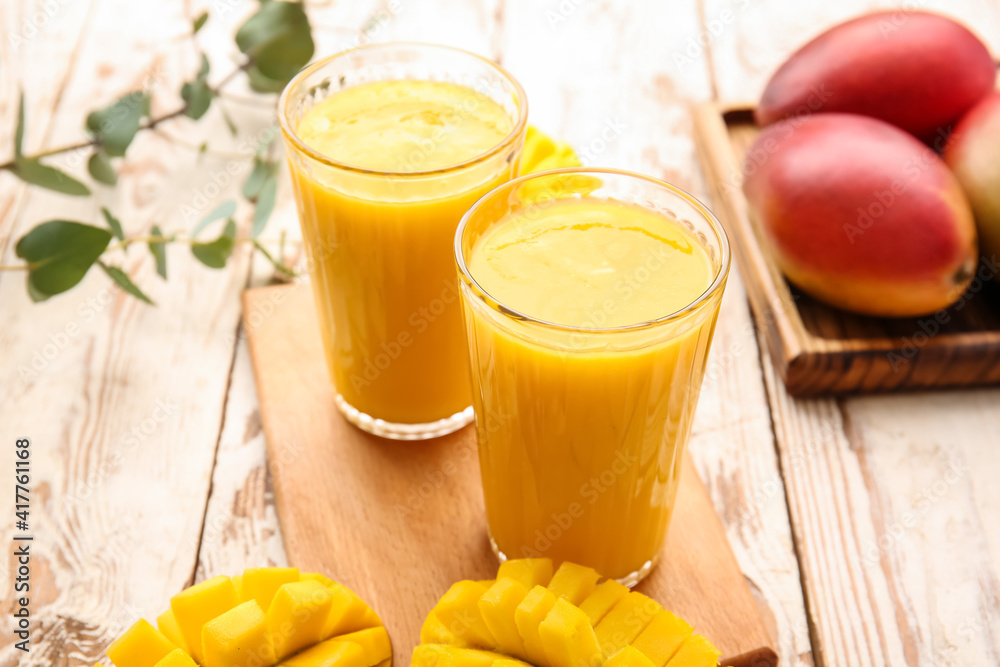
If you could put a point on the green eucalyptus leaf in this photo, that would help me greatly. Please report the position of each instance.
(223, 210)
(215, 254)
(30, 170)
(100, 168)
(197, 94)
(262, 170)
(114, 224)
(159, 252)
(19, 130)
(265, 205)
(122, 280)
(262, 84)
(279, 40)
(115, 126)
(59, 253)
(199, 23)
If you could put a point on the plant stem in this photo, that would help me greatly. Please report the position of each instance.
(16, 267)
(148, 125)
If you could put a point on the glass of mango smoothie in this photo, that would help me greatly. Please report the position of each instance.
(388, 146)
(590, 299)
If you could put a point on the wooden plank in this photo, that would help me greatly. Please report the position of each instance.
(357, 507)
(617, 85)
(123, 401)
(858, 471)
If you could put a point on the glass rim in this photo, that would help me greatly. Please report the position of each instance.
(292, 136)
(715, 287)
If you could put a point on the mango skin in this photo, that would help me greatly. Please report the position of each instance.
(917, 70)
(861, 215)
(973, 153)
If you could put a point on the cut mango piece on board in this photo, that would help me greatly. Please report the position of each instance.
(599, 603)
(625, 622)
(497, 607)
(237, 638)
(458, 611)
(542, 152)
(529, 572)
(142, 645)
(574, 582)
(196, 606)
(568, 637)
(261, 583)
(310, 621)
(609, 626)
(629, 656)
(176, 658)
(662, 637)
(696, 651)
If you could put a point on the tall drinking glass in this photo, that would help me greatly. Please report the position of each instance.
(388, 146)
(590, 299)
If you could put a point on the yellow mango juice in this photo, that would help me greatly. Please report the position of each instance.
(383, 171)
(584, 382)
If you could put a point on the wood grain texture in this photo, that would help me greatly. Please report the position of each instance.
(357, 507)
(122, 400)
(858, 471)
(822, 350)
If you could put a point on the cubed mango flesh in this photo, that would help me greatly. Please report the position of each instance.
(629, 656)
(599, 603)
(196, 606)
(329, 654)
(660, 639)
(167, 624)
(528, 616)
(696, 651)
(177, 658)
(297, 616)
(458, 610)
(261, 583)
(442, 655)
(529, 572)
(237, 638)
(373, 641)
(316, 576)
(497, 607)
(142, 645)
(625, 621)
(568, 637)
(348, 613)
(433, 631)
(574, 582)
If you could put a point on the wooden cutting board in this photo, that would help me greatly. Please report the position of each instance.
(399, 522)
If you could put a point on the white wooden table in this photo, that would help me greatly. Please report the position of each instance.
(868, 527)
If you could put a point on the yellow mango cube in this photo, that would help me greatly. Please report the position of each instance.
(625, 621)
(348, 613)
(440, 655)
(330, 653)
(297, 616)
(574, 582)
(528, 616)
(629, 657)
(509, 662)
(316, 576)
(458, 610)
(167, 624)
(262, 583)
(373, 641)
(696, 651)
(662, 637)
(177, 658)
(142, 645)
(237, 638)
(497, 607)
(537, 147)
(238, 585)
(599, 603)
(568, 637)
(433, 631)
(529, 572)
(194, 607)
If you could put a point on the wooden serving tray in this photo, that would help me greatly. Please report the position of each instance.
(399, 522)
(823, 350)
